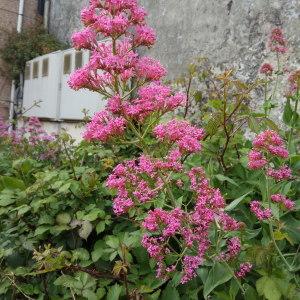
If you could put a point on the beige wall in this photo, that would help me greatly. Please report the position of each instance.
(8, 23)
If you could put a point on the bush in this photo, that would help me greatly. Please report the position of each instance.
(22, 47)
(149, 207)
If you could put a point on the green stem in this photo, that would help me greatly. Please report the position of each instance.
(236, 279)
(268, 198)
(294, 119)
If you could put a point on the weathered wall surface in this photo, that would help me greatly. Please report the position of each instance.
(231, 33)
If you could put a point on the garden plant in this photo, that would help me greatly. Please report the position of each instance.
(149, 205)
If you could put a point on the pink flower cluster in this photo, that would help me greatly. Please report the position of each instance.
(282, 173)
(244, 269)
(233, 249)
(191, 228)
(181, 133)
(294, 81)
(278, 42)
(266, 69)
(287, 203)
(139, 181)
(153, 98)
(104, 127)
(260, 213)
(136, 102)
(269, 144)
(31, 132)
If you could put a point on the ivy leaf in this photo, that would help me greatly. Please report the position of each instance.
(218, 274)
(268, 288)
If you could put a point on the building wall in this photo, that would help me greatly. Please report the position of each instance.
(230, 33)
(8, 23)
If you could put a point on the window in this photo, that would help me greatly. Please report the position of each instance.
(78, 60)
(35, 73)
(27, 71)
(45, 69)
(67, 64)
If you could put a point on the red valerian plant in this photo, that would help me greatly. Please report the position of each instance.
(176, 233)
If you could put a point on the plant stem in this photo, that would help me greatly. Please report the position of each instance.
(268, 198)
(236, 279)
(294, 119)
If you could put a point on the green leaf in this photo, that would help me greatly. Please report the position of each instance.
(6, 198)
(63, 219)
(232, 205)
(198, 96)
(170, 293)
(223, 178)
(112, 241)
(94, 215)
(85, 230)
(100, 227)
(287, 113)
(80, 254)
(114, 292)
(11, 183)
(101, 292)
(88, 294)
(250, 292)
(268, 288)
(218, 274)
(98, 250)
(66, 281)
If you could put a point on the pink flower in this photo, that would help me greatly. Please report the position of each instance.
(190, 265)
(287, 203)
(228, 223)
(261, 214)
(233, 249)
(277, 42)
(103, 127)
(84, 39)
(149, 69)
(283, 173)
(271, 142)
(256, 160)
(294, 81)
(145, 36)
(243, 270)
(187, 137)
(153, 98)
(266, 69)
(88, 16)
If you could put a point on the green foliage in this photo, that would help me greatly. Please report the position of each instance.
(22, 47)
(59, 238)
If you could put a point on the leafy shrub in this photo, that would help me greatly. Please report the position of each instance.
(22, 47)
(130, 213)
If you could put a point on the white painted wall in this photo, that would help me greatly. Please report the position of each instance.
(59, 105)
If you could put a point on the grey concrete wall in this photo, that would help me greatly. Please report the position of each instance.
(230, 33)
(225, 31)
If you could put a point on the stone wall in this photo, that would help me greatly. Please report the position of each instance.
(8, 23)
(231, 33)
